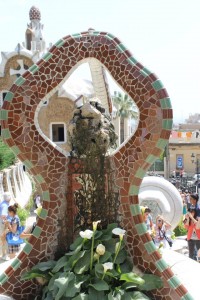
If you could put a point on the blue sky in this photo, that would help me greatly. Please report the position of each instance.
(163, 35)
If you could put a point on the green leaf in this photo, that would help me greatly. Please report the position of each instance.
(127, 266)
(78, 241)
(81, 296)
(33, 274)
(151, 282)
(105, 257)
(118, 296)
(99, 270)
(97, 234)
(121, 256)
(100, 285)
(96, 295)
(83, 264)
(44, 266)
(62, 283)
(49, 296)
(135, 296)
(73, 288)
(60, 264)
(128, 285)
(110, 245)
(132, 277)
(52, 280)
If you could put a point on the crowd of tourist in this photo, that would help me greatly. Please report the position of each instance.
(161, 232)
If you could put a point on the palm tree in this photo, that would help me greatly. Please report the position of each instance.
(126, 108)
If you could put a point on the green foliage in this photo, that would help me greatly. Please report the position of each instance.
(7, 157)
(88, 272)
(180, 229)
(126, 106)
(23, 215)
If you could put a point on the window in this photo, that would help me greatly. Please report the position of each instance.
(58, 132)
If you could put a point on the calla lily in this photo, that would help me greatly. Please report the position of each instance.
(87, 234)
(95, 225)
(120, 232)
(100, 249)
(107, 266)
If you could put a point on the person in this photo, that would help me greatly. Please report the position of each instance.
(162, 233)
(184, 202)
(187, 199)
(13, 225)
(194, 198)
(147, 218)
(3, 215)
(193, 232)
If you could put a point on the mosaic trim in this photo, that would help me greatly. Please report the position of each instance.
(155, 118)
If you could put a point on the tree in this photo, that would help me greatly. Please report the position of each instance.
(126, 108)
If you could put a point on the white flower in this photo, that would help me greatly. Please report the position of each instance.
(95, 225)
(100, 249)
(120, 232)
(87, 234)
(107, 266)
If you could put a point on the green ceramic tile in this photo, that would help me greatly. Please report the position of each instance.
(27, 249)
(165, 103)
(145, 72)
(59, 43)
(19, 81)
(134, 190)
(16, 263)
(43, 213)
(157, 85)
(174, 282)
(167, 124)
(187, 297)
(15, 149)
(110, 36)
(121, 47)
(46, 196)
(140, 173)
(37, 231)
(5, 133)
(76, 35)
(151, 158)
(9, 96)
(3, 278)
(39, 178)
(47, 56)
(161, 144)
(150, 247)
(132, 60)
(141, 228)
(33, 68)
(28, 163)
(161, 265)
(96, 33)
(135, 209)
(4, 114)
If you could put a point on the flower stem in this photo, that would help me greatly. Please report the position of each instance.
(117, 252)
(92, 252)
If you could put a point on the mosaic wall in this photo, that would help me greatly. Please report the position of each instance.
(49, 165)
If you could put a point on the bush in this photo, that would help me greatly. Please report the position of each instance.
(7, 157)
(23, 215)
(180, 229)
